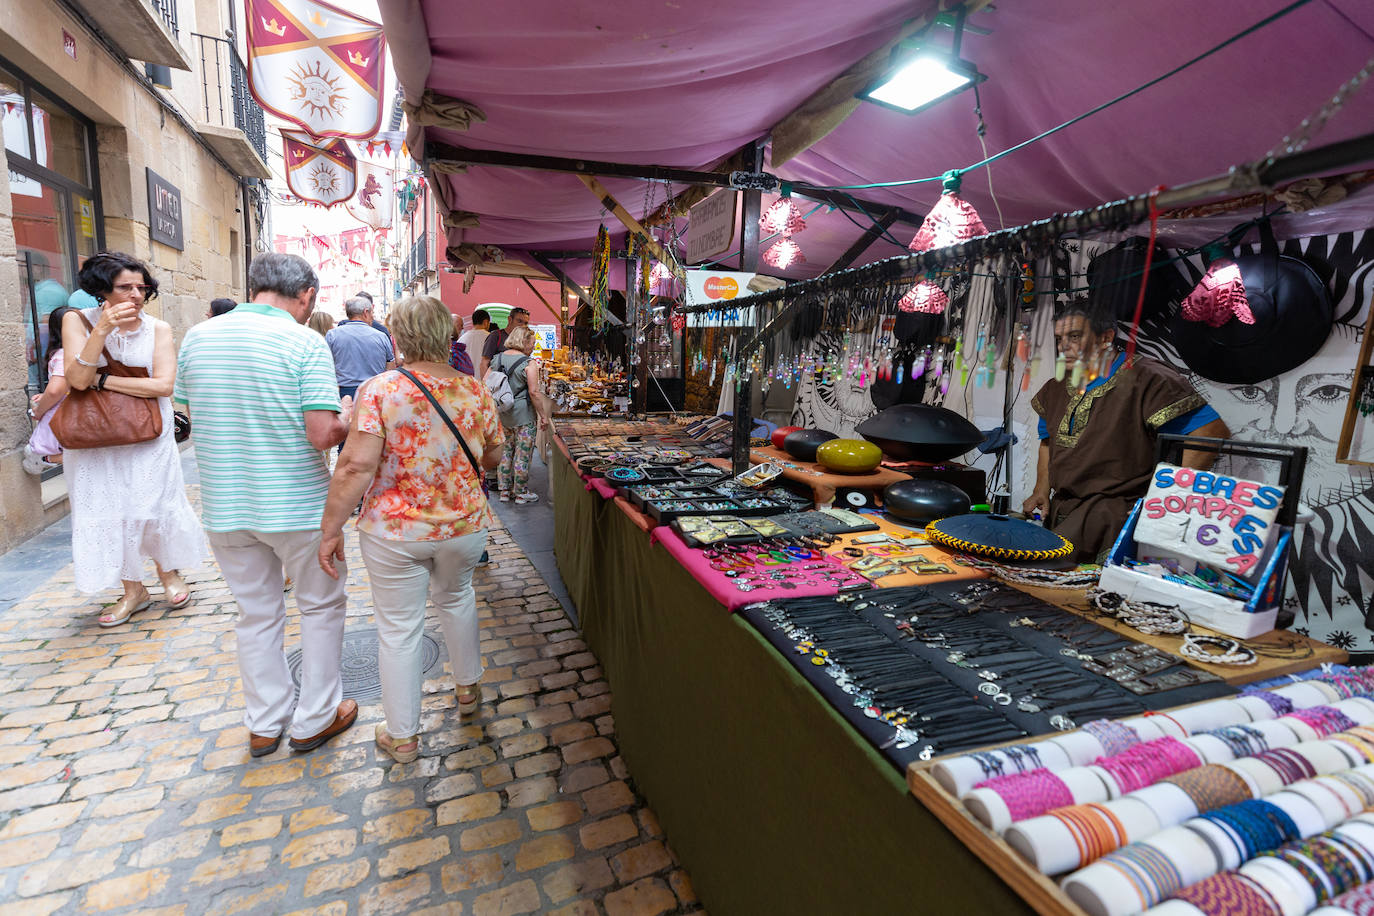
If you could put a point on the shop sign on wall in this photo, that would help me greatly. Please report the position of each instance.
(1223, 521)
(164, 212)
(711, 226)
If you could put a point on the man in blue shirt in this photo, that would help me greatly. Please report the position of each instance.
(360, 350)
(1097, 446)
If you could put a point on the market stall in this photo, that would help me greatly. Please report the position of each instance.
(735, 734)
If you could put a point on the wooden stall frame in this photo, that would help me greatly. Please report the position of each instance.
(1363, 370)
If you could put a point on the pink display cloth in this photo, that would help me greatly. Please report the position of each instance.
(721, 587)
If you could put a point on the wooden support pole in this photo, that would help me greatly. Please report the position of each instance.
(572, 284)
(748, 261)
(629, 222)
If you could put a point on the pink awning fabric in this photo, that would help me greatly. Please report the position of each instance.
(683, 84)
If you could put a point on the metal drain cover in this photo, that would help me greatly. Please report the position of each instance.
(362, 678)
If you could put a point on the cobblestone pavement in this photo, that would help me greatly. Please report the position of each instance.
(126, 784)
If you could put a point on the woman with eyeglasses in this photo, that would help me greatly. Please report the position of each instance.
(128, 501)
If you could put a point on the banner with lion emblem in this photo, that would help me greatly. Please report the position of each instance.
(376, 196)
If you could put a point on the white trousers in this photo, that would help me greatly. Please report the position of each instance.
(252, 563)
(401, 573)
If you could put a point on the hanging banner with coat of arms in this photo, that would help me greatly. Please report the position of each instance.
(319, 172)
(373, 203)
(316, 66)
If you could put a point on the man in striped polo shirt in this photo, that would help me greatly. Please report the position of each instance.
(264, 406)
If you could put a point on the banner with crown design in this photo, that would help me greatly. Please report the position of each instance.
(317, 66)
(319, 172)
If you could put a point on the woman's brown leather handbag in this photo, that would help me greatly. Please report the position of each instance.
(98, 419)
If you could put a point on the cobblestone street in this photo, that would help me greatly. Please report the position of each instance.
(126, 784)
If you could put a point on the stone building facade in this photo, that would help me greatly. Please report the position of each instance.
(127, 126)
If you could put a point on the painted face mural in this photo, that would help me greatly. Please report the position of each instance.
(1332, 570)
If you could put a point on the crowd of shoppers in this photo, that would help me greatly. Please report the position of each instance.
(270, 387)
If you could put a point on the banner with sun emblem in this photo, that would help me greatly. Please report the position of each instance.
(324, 174)
(316, 66)
(376, 196)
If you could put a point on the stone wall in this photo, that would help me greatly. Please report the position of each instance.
(134, 132)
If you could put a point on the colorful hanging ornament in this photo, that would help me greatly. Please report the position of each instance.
(952, 220)
(783, 254)
(926, 297)
(1219, 296)
(782, 218)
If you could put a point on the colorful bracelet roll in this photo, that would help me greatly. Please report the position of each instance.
(1288, 764)
(1147, 763)
(1359, 900)
(1211, 786)
(1329, 863)
(1361, 784)
(1281, 705)
(1029, 794)
(1114, 737)
(1358, 739)
(1153, 874)
(1324, 720)
(1095, 830)
(1243, 740)
(1230, 894)
(1254, 826)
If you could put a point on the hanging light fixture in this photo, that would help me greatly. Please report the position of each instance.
(926, 297)
(952, 220)
(1219, 296)
(783, 254)
(920, 76)
(782, 218)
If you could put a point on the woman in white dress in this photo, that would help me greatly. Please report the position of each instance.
(128, 501)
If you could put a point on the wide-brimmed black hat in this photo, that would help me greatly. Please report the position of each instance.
(1114, 279)
(1293, 315)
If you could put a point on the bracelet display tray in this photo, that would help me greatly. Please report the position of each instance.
(883, 736)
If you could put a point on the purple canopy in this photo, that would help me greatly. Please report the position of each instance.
(687, 84)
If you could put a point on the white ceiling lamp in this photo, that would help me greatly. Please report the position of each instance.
(920, 76)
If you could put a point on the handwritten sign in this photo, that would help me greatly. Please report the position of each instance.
(711, 226)
(164, 211)
(1223, 521)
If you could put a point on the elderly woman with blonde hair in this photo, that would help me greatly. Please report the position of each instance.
(320, 322)
(421, 436)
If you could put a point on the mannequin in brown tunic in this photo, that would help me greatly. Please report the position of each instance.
(1100, 450)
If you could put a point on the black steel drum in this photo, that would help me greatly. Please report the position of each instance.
(920, 432)
(803, 443)
(924, 501)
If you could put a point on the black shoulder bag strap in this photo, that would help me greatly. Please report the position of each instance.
(445, 417)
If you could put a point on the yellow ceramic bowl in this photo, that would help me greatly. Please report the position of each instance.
(849, 456)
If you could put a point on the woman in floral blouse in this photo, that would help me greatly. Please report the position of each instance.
(424, 519)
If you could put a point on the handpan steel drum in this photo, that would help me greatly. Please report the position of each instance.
(781, 433)
(920, 432)
(803, 443)
(924, 501)
(848, 456)
(998, 537)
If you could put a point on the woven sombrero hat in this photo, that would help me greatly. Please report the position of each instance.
(998, 537)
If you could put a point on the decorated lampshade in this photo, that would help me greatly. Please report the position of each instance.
(848, 456)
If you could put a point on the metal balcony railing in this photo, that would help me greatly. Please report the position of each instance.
(415, 262)
(225, 98)
(167, 9)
